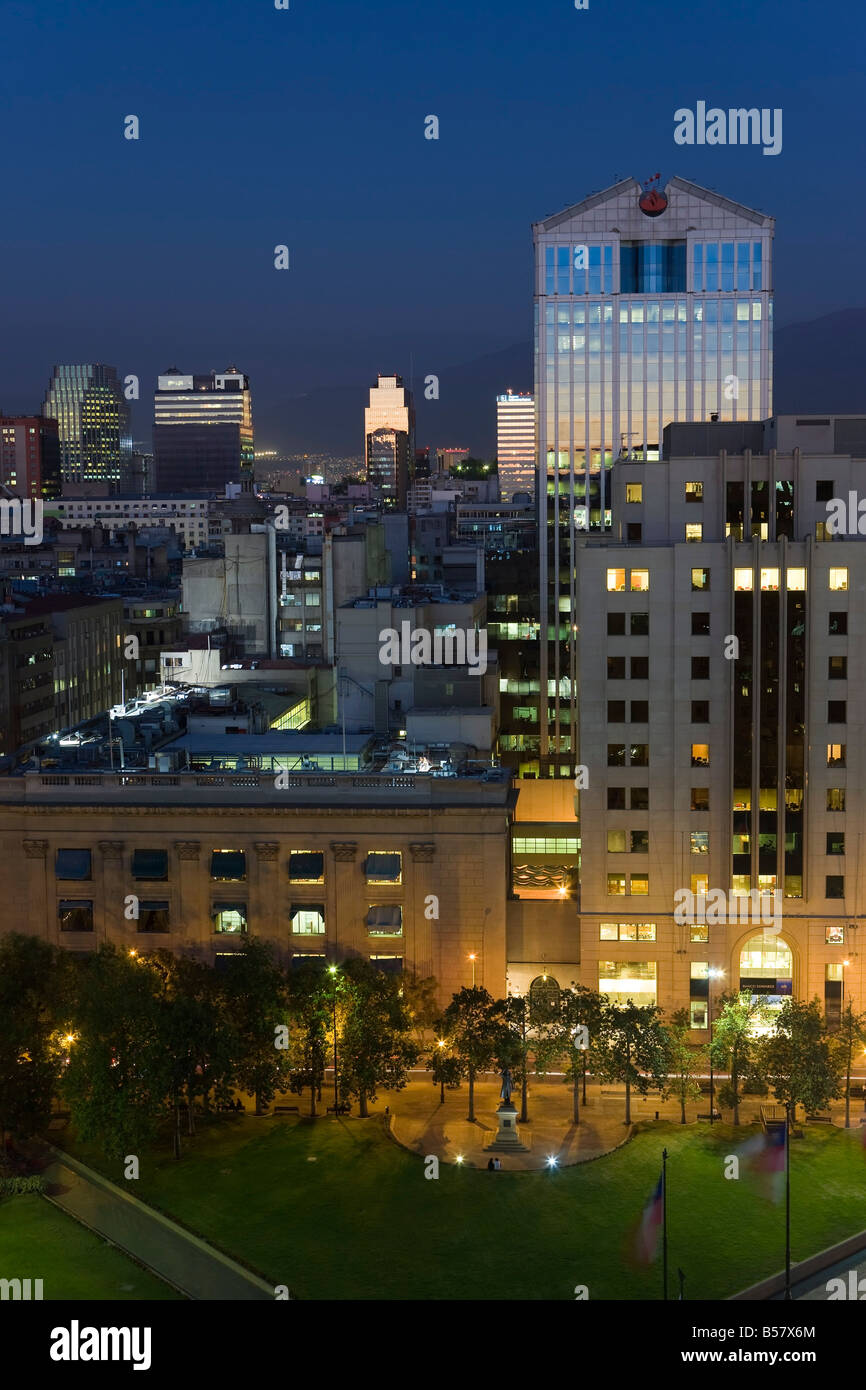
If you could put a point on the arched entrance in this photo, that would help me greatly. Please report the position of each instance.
(543, 999)
(766, 972)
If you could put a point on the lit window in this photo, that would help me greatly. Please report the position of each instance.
(699, 931)
(836, 754)
(834, 936)
(694, 492)
(700, 755)
(838, 579)
(769, 579)
(616, 842)
(796, 579)
(700, 841)
(616, 885)
(634, 492)
(700, 883)
(229, 917)
(616, 581)
(700, 579)
(639, 581)
(307, 919)
(743, 580)
(639, 885)
(694, 531)
(697, 1013)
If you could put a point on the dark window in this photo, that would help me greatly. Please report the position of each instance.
(385, 919)
(837, 625)
(228, 865)
(639, 711)
(616, 755)
(640, 798)
(153, 915)
(150, 863)
(700, 711)
(700, 668)
(384, 868)
(639, 755)
(824, 490)
(616, 668)
(835, 842)
(634, 532)
(616, 711)
(835, 886)
(389, 965)
(72, 863)
(75, 915)
(616, 624)
(700, 798)
(836, 711)
(616, 798)
(639, 625)
(640, 842)
(700, 624)
(308, 961)
(640, 668)
(837, 668)
(306, 866)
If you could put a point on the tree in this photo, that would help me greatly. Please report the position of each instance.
(310, 999)
(255, 996)
(851, 1036)
(684, 1063)
(118, 1075)
(518, 1041)
(633, 1049)
(376, 1048)
(578, 1008)
(446, 1068)
(32, 979)
(799, 1058)
(473, 1022)
(734, 1048)
(419, 994)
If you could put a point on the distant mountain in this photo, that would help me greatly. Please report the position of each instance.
(819, 366)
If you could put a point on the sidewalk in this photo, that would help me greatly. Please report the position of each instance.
(182, 1259)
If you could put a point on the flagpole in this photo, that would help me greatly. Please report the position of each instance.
(665, 1222)
(787, 1202)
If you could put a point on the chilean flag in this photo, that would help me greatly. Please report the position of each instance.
(647, 1235)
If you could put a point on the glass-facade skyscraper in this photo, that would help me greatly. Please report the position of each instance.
(649, 308)
(93, 425)
(515, 443)
(203, 431)
(389, 438)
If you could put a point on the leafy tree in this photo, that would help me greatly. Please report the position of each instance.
(195, 1031)
(310, 1004)
(735, 1048)
(254, 991)
(633, 1049)
(473, 1023)
(446, 1068)
(519, 1040)
(684, 1063)
(852, 1035)
(419, 994)
(578, 1008)
(32, 1002)
(799, 1058)
(118, 1075)
(377, 1048)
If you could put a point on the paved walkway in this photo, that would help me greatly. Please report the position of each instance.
(184, 1260)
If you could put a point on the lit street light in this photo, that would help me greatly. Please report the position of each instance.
(711, 975)
(472, 957)
(332, 971)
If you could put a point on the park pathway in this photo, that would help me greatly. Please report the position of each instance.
(181, 1258)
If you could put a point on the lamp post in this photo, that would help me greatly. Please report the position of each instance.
(332, 971)
(711, 975)
(440, 1044)
(472, 957)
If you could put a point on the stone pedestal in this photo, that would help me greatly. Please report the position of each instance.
(508, 1136)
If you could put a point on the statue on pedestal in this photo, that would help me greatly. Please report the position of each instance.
(507, 1086)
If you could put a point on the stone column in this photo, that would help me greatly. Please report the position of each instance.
(108, 919)
(348, 932)
(267, 901)
(41, 915)
(422, 914)
(189, 899)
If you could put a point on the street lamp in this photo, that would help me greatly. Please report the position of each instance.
(440, 1042)
(711, 975)
(472, 957)
(332, 971)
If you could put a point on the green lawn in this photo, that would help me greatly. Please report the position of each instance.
(37, 1241)
(361, 1221)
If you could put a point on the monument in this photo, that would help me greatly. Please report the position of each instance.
(508, 1135)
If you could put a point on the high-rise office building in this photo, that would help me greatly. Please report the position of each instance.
(203, 431)
(515, 443)
(648, 309)
(30, 455)
(389, 438)
(92, 415)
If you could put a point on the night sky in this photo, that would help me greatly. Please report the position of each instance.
(306, 127)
